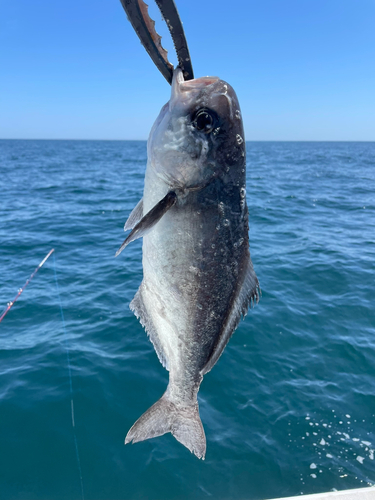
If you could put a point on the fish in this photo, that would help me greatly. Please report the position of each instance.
(198, 277)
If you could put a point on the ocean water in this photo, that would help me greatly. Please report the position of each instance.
(290, 406)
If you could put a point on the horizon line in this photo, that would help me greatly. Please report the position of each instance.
(145, 140)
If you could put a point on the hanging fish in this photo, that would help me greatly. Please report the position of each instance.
(198, 278)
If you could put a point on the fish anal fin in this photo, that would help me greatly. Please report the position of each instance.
(149, 220)
(138, 307)
(135, 216)
(248, 293)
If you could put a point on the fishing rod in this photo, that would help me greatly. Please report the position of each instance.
(10, 304)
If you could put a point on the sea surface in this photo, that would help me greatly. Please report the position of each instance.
(290, 406)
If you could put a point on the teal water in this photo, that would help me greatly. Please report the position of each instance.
(289, 407)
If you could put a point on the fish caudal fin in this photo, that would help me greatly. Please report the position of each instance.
(183, 423)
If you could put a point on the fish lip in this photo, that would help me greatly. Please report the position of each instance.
(180, 86)
(177, 80)
(201, 82)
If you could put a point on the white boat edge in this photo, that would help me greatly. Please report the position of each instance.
(357, 494)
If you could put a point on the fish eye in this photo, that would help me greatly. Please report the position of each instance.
(204, 120)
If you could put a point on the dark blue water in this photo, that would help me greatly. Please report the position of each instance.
(289, 407)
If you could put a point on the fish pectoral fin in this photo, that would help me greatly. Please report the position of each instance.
(149, 220)
(135, 216)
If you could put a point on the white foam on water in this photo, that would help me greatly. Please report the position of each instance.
(346, 452)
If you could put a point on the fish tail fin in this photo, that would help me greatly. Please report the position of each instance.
(183, 423)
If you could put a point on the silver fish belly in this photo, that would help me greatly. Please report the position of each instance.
(198, 278)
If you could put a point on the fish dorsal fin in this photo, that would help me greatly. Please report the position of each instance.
(135, 216)
(248, 294)
(149, 220)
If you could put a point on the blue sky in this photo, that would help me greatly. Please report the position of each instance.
(303, 70)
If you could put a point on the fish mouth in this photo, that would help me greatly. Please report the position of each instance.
(181, 88)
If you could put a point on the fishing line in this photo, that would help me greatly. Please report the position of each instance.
(70, 380)
(5, 312)
(20, 290)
